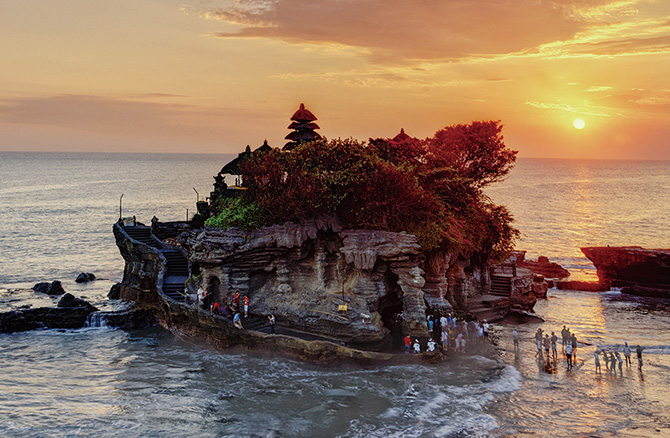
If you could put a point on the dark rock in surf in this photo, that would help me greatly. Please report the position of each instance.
(85, 277)
(115, 292)
(69, 300)
(132, 319)
(53, 288)
(43, 317)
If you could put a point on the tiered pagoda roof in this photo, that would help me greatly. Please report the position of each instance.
(303, 127)
(402, 136)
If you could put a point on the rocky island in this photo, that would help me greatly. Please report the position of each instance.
(637, 270)
(351, 246)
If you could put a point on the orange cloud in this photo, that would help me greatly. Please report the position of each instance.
(404, 30)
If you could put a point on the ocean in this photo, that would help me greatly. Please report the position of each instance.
(56, 214)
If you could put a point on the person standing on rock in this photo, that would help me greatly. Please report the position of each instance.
(246, 306)
(417, 346)
(236, 320)
(408, 344)
(271, 319)
(431, 344)
(201, 296)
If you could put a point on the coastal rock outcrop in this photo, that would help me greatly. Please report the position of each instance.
(360, 288)
(69, 300)
(541, 267)
(114, 292)
(53, 288)
(44, 317)
(633, 267)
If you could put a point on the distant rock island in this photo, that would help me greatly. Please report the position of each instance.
(637, 270)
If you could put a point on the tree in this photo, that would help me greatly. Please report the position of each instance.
(476, 152)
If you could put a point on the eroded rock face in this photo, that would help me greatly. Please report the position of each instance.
(308, 273)
(631, 266)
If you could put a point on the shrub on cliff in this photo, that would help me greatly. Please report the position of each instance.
(237, 212)
(431, 188)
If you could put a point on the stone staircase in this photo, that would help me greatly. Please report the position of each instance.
(177, 266)
(501, 285)
(143, 235)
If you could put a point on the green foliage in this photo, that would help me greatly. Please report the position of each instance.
(431, 188)
(236, 212)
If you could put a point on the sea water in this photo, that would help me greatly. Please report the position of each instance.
(55, 221)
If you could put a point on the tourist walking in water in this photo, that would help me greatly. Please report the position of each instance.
(626, 353)
(612, 363)
(547, 344)
(564, 336)
(620, 361)
(554, 339)
(597, 361)
(568, 355)
(607, 360)
(573, 342)
(638, 350)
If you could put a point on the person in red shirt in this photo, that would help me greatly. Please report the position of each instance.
(246, 306)
(408, 344)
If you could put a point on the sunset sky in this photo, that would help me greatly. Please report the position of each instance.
(215, 75)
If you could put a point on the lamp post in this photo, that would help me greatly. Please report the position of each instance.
(121, 207)
(197, 197)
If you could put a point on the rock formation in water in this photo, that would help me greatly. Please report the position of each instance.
(640, 271)
(85, 277)
(53, 288)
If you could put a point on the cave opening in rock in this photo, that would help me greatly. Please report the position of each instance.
(390, 306)
(213, 291)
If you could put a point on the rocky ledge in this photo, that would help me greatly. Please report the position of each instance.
(639, 271)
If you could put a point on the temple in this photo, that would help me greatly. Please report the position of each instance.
(303, 127)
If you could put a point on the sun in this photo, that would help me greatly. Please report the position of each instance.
(579, 124)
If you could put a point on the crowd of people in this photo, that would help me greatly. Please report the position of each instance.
(449, 334)
(236, 308)
(613, 359)
(547, 352)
